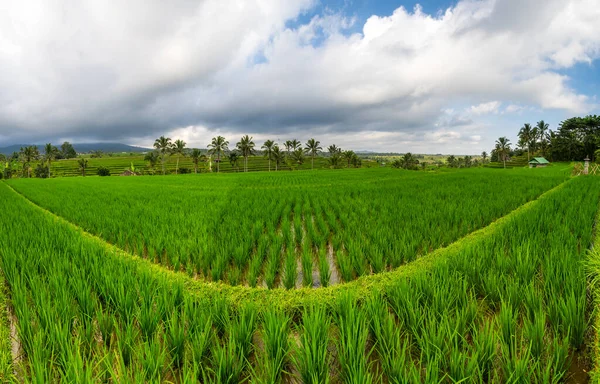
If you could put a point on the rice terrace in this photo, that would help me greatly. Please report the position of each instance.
(350, 275)
(300, 192)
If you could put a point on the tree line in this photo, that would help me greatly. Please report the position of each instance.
(573, 140)
(291, 153)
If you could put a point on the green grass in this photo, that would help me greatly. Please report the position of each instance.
(262, 229)
(467, 311)
(117, 165)
(6, 368)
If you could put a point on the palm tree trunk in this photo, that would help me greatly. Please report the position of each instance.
(177, 165)
(218, 160)
(269, 164)
(312, 162)
(528, 154)
(162, 160)
(195, 168)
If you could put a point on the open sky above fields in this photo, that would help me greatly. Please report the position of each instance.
(433, 76)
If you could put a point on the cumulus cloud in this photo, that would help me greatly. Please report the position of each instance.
(136, 69)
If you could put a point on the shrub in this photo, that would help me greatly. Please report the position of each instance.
(42, 171)
(103, 171)
(183, 171)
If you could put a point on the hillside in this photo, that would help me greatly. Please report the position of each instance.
(82, 148)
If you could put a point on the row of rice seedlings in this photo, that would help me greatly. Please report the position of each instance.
(312, 358)
(274, 358)
(352, 342)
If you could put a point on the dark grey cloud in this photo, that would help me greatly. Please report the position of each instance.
(135, 70)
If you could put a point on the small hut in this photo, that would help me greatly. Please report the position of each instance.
(538, 162)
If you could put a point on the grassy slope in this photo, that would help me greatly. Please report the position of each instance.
(118, 164)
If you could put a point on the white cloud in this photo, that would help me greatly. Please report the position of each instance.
(134, 69)
(484, 108)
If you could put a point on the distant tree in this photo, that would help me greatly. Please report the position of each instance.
(333, 149)
(2, 158)
(234, 158)
(348, 156)
(50, 153)
(268, 150)
(484, 156)
(178, 149)
(334, 159)
(96, 154)
(356, 161)
(468, 161)
(197, 157)
(164, 146)
(103, 171)
(503, 148)
(409, 161)
(278, 156)
(451, 161)
(27, 155)
(83, 164)
(288, 146)
(312, 148)
(152, 159)
(42, 171)
(542, 136)
(67, 151)
(298, 156)
(218, 146)
(296, 144)
(246, 148)
(526, 136)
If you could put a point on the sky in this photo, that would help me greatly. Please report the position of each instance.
(433, 76)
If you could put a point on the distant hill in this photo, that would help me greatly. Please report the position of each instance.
(83, 148)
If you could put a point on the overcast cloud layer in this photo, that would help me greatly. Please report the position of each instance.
(130, 71)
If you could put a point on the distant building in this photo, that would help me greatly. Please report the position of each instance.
(538, 162)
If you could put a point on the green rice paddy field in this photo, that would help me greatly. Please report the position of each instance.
(341, 276)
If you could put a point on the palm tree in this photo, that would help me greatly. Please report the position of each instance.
(246, 148)
(312, 148)
(234, 158)
(197, 157)
(525, 135)
(27, 155)
(218, 146)
(348, 155)
(83, 163)
(278, 156)
(408, 161)
(298, 156)
(178, 149)
(333, 149)
(296, 144)
(503, 148)
(268, 150)
(484, 156)
(50, 155)
(542, 135)
(152, 158)
(288, 145)
(334, 159)
(164, 146)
